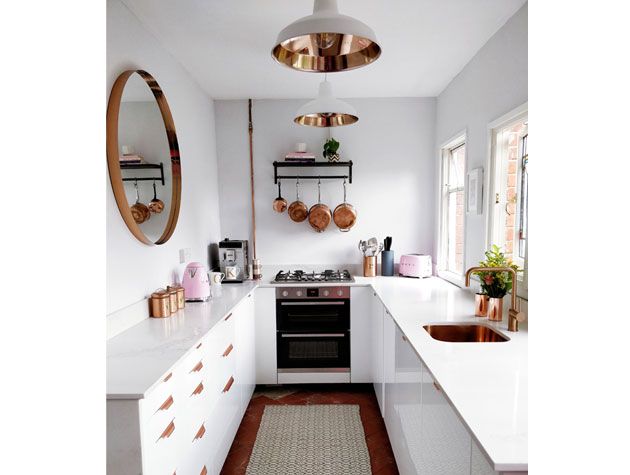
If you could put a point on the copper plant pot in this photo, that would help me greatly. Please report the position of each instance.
(495, 309)
(481, 305)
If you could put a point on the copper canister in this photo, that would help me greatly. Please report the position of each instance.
(160, 304)
(172, 295)
(481, 305)
(181, 297)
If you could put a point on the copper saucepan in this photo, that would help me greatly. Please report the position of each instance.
(298, 211)
(279, 204)
(319, 216)
(139, 211)
(344, 216)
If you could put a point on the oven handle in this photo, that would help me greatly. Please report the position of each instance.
(312, 335)
(312, 303)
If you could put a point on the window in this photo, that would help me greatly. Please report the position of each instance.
(509, 192)
(451, 239)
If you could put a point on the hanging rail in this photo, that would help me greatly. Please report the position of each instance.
(144, 166)
(277, 165)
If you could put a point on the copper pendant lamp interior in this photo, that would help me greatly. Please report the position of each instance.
(326, 42)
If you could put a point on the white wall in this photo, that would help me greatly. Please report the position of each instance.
(134, 269)
(493, 83)
(392, 147)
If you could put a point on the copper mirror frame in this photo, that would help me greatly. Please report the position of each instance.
(115, 175)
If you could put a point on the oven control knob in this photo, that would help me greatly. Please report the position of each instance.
(326, 293)
(340, 293)
(298, 293)
(285, 293)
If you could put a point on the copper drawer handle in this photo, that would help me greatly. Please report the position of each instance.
(198, 390)
(229, 384)
(227, 318)
(198, 346)
(404, 338)
(166, 404)
(168, 431)
(228, 350)
(167, 377)
(200, 433)
(197, 367)
(437, 386)
(204, 471)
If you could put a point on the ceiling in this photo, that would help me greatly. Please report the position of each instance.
(226, 45)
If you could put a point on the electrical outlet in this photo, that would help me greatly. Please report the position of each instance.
(184, 255)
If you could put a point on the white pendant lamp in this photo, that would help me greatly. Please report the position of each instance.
(326, 111)
(326, 42)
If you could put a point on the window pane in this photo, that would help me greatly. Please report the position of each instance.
(512, 206)
(455, 257)
(457, 167)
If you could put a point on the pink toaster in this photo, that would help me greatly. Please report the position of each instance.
(415, 265)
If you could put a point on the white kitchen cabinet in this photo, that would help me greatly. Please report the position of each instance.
(360, 335)
(265, 315)
(389, 361)
(245, 330)
(376, 349)
(445, 444)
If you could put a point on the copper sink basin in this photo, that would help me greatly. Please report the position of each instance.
(468, 333)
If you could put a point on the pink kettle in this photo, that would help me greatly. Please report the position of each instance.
(196, 283)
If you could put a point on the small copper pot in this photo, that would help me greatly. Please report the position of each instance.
(481, 305)
(495, 309)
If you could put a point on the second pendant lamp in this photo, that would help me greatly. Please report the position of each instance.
(326, 111)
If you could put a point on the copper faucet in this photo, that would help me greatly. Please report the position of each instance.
(514, 315)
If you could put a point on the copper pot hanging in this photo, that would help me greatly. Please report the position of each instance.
(298, 211)
(319, 216)
(344, 216)
(139, 211)
(279, 204)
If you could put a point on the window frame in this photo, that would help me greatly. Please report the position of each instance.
(445, 151)
(492, 221)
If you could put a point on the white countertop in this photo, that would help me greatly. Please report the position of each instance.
(486, 383)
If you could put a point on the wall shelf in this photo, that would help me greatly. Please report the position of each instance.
(312, 165)
(144, 166)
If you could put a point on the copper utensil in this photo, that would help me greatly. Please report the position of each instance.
(344, 215)
(279, 204)
(139, 211)
(319, 216)
(156, 205)
(298, 211)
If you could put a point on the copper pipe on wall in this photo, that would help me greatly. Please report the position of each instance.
(251, 176)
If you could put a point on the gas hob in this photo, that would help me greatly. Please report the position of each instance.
(299, 276)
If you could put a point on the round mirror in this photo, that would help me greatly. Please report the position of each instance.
(143, 157)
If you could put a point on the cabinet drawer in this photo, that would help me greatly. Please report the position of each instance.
(194, 449)
(224, 415)
(162, 453)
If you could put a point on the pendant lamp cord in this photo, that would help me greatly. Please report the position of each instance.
(251, 175)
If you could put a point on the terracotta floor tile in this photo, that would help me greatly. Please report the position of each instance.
(381, 455)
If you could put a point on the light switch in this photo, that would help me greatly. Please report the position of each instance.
(184, 255)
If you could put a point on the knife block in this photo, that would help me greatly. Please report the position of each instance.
(387, 263)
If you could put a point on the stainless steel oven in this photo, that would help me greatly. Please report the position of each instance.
(313, 334)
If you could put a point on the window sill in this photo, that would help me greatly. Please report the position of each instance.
(452, 277)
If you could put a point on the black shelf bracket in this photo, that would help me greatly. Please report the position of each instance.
(277, 165)
(144, 166)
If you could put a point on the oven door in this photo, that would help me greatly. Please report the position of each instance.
(304, 351)
(313, 316)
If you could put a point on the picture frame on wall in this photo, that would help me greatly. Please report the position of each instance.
(474, 186)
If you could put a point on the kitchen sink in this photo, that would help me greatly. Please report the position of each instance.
(464, 333)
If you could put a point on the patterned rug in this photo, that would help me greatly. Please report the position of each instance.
(309, 440)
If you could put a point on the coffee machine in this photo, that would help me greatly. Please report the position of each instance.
(233, 260)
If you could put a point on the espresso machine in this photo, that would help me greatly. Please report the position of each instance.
(233, 260)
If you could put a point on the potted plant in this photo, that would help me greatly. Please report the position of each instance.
(330, 150)
(495, 284)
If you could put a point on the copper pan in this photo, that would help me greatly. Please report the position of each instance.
(319, 216)
(279, 204)
(298, 211)
(344, 216)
